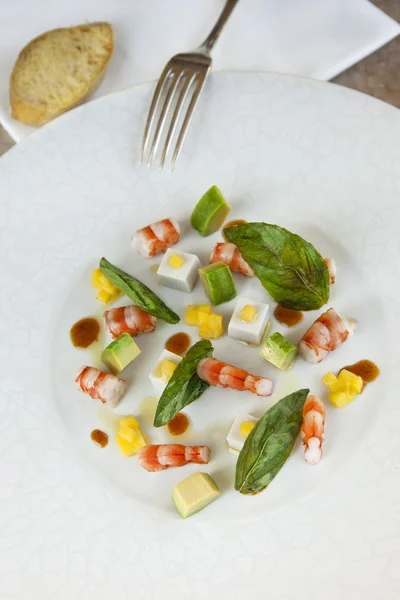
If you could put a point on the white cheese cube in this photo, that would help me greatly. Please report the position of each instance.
(182, 277)
(249, 331)
(234, 438)
(157, 379)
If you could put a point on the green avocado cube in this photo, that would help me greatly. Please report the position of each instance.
(194, 493)
(279, 351)
(210, 212)
(218, 282)
(120, 353)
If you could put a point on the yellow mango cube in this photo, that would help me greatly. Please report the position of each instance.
(191, 315)
(107, 291)
(245, 428)
(342, 399)
(344, 388)
(205, 308)
(351, 380)
(329, 379)
(130, 437)
(167, 369)
(248, 314)
(176, 261)
(211, 328)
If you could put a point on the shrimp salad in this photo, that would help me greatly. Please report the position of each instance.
(292, 277)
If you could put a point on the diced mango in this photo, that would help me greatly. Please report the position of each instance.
(352, 380)
(341, 399)
(209, 323)
(344, 388)
(167, 369)
(211, 328)
(245, 428)
(176, 261)
(129, 421)
(248, 314)
(205, 308)
(107, 291)
(329, 379)
(129, 437)
(191, 315)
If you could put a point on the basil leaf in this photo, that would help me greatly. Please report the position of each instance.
(138, 292)
(269, 444)
(185, 385)
(289, 268)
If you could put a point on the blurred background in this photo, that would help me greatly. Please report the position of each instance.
(335, 35)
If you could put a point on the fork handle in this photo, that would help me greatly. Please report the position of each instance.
(214, 34)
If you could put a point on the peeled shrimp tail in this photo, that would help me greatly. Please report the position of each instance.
(156, 238)
(218, 373)
(312, 429)
(325, 335)
(129, 319)
(158, 457)
(230, 255)
(105, 387)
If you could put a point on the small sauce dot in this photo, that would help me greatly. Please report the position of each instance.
(84, 332)
(99, 437)
(366, 369)
(232, 224)
(178, 425)
(178, 343)
(287, 316)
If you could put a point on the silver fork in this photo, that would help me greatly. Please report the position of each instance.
(184, 73)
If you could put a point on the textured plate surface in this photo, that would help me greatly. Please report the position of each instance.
(315, 158)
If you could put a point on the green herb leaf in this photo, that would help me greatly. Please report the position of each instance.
(185, 385)
(289, 268)
(269, 444)
(138, 292)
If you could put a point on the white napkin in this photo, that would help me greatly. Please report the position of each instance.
(314, 38)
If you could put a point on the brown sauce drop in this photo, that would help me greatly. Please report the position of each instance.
(99, 437)
(178, 343)
(287, 316)
(179, 424)
(233, 224)
(84, 332)
(366, 369)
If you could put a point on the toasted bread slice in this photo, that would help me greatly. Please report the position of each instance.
(57, 70)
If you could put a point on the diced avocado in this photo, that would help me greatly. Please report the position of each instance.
(210, 212)
(194, 493)
(120, 353)
(279, 351)
(218, 282)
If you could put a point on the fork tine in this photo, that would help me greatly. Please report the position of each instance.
(153, 108)
(167, 102)
(178, 109)
(188, 116)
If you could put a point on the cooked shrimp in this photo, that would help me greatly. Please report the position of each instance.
(129, 319)
(156, 238)
(216, 372)
(330, 263)
(312, 429)
(229, 254)
(325, 335)
(107, 388)
(157, 457)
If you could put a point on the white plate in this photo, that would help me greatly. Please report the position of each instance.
(315, 158)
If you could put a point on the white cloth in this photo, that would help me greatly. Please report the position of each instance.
(313, 38)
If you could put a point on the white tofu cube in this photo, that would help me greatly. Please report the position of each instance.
(157, 379)
(234, 438)
(182, 277)
(249, 331)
